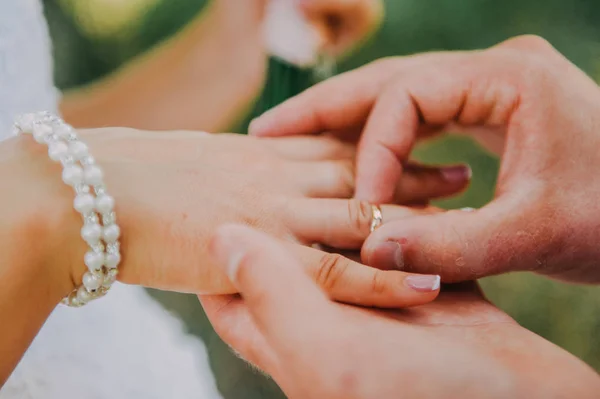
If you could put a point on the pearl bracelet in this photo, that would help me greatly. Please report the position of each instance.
(81, 172)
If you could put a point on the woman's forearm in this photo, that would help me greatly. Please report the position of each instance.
(27, 298)
(204, 78)
(34, 262)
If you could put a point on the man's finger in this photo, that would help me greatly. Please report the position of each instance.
(286, 306)
(340, 103)
(428, 94)
(392, 127)
(461, 245)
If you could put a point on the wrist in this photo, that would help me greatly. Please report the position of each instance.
(38, 237)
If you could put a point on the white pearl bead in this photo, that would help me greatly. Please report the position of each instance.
(93, 260)
(91, 233)
(72, 175)
(93, 175)
(57, 150)
(25, 122)
(83, 295)
(78, 149)
(40, 132)
(63, 131)
(104, 203)
(92, 281)
(84, 203)
(112, 260)
(111, 233)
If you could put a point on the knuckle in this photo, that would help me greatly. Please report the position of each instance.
(345, 178)
(359, 215)
(533, 42)
(379, 282)
(332, 268)
(538, 57)
(384, 63)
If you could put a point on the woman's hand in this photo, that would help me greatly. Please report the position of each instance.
(207, 76)
(172, 189)
(521, 97)
(343, 23)
(458, 346)
(301, 31)
(204, 77)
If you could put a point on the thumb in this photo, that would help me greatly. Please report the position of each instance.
(284, 303)
(458, 245)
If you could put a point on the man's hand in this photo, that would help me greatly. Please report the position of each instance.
(521, 98)
(458, 346)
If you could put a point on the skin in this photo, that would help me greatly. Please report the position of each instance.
(520, 99)
(189, 82)
(172, 190)
(458, 346)
(343, 23)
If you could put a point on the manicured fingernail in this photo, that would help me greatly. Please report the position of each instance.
(387, 256)
(456, 174)
(423, 283)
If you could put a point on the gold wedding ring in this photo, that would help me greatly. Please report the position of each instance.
(377, 217)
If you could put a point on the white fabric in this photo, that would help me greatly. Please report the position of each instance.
(124, 346)
(25, 63)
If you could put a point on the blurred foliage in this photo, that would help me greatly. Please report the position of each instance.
(565, 314)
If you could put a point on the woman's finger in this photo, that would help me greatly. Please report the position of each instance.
(306, 148)
(341, 223)
(351, 282)
(423, 183)
(323, 179)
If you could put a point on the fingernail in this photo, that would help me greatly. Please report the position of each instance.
(456, 174)
(257, 125)
(388, 256)
(423, 283)
(228, 249)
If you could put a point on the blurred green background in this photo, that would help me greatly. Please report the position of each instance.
(93, 37)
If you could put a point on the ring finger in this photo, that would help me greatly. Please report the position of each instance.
(341, 223)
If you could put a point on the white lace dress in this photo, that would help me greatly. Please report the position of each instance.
(138, 350)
